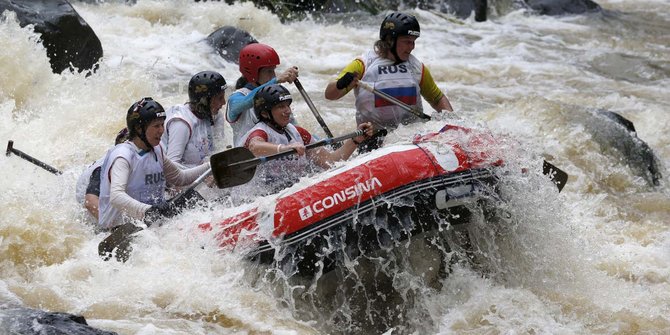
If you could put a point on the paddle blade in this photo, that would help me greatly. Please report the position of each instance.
(558, 176)
(118, 243)
(228, 171)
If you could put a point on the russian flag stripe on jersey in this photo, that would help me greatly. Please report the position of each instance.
(404, 94)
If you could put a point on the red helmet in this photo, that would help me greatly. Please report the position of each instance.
(255, 56)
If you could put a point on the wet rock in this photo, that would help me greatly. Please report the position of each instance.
(228, 41)
(562, 7)
(464, 8)
(460, 8)
(616, 133)
(69, 40)
(26, 321)
(130, 2)
(298, 9)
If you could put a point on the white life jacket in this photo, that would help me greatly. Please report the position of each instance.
(84, 178)
(146, 182)
(277, 174)
(400, 81)
(200, 142)
(245, 121)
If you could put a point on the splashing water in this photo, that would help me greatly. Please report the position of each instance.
(590, 260)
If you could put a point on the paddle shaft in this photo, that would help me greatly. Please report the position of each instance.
(10, 150)
(175, 200)
(393, 100)
(263, 159)
(313, 108)
(193, 185)
(121, 236)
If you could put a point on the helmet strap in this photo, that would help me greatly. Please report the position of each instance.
(276, 126)
(270, 121)
(143, 137)
(394, 51)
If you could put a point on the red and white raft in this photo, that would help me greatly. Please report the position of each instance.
(374, 201)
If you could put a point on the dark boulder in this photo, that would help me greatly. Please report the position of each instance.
(464, 8)
(228, 41)
(617, 134)
(298, 9)
(563, 7)
(128, 2)
(26, 321)
(69, 40)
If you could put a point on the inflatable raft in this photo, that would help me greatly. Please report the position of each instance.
(376, 200)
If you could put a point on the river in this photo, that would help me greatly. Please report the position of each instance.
(594, 259)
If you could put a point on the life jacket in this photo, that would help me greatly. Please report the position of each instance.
(146, 182)
(200, 143)
(274, 175)
(398, 80)
(245, 121)
(83, 180)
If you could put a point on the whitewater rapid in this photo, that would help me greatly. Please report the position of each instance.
(594, 259)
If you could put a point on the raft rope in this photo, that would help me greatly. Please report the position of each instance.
(436, 167)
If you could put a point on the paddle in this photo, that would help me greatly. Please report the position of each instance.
(394, 100)
(238, 165)
(312, 108)
(556, 175)
(10, 150)
(122, 235)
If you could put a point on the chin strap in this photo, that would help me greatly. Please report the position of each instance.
(143, 137)
(270, 121)
(395, 53)
(276, 127)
